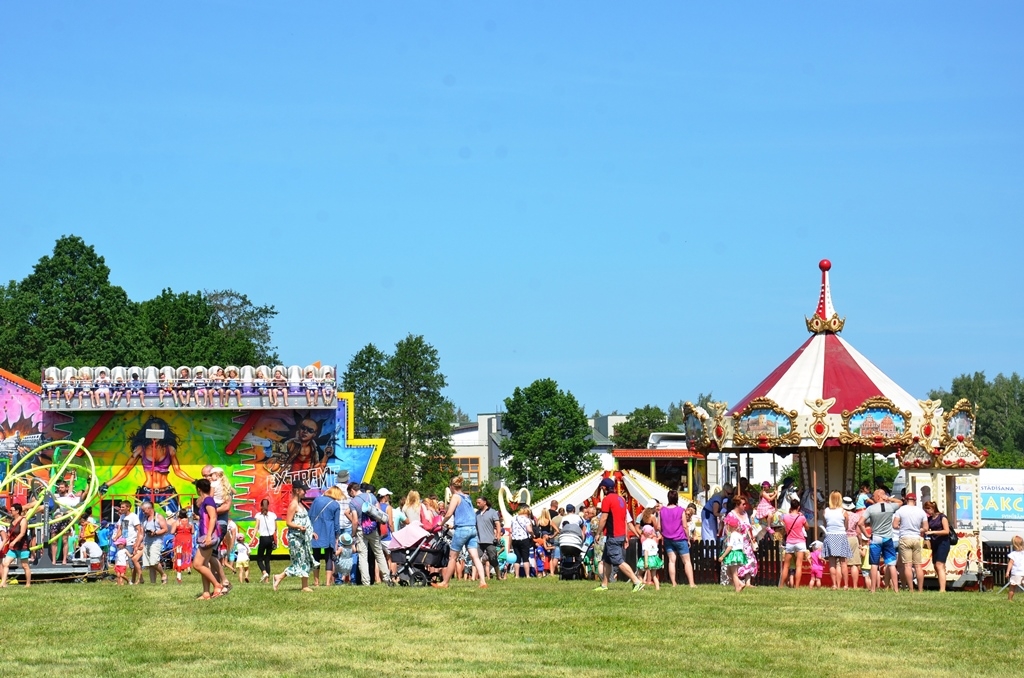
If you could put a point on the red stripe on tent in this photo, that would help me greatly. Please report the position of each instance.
(772, 379)
(844, 379)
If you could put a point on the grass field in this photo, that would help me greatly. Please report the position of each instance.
(514, 628)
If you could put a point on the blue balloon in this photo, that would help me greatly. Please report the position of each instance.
(511, 559)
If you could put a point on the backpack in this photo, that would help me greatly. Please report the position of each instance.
(371, 516)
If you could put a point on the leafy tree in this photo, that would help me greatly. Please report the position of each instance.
(548, 444)
(999, 411)
(398, 397)
(461, 417)
(633, 433)
(245, 324)
(66, 312)
(365, 376)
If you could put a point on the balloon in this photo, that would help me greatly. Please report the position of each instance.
(511, 559)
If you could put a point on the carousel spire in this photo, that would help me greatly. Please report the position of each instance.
(825, 319)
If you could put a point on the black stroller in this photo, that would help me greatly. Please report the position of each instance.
(570, 543)
(416, 562)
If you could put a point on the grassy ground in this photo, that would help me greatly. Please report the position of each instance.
(515, 628)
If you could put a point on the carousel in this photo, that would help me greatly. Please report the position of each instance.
(833, 413)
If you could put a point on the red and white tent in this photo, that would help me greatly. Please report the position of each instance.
(827, 366)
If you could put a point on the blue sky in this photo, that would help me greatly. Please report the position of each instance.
(630, 201)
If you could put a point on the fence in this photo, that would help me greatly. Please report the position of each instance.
(707, 569)
(995, 557)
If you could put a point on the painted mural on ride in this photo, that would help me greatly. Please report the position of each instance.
(153, 443)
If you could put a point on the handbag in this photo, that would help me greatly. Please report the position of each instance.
(953, 538)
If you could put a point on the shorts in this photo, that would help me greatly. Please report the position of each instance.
(120, 569)
(910, 550)
(854, 545)
(680, 547)
(326, 553)
(798, 547)
(940, 551)
(151, 552)
(557, 554)
(489, 552)
(17, 555)
(464, 536)
(884, 551)
(613, 551)
(521, 547)
(1017, 580)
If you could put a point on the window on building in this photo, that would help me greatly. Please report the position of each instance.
(470, 468)
(750, 468)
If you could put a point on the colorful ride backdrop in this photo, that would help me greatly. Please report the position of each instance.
(156, 453)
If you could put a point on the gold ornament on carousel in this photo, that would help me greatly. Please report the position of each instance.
(819, 428)
(718, 431)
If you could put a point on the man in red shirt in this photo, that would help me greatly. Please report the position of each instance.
(613, 525)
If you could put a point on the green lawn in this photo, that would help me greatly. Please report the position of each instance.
(514, 628)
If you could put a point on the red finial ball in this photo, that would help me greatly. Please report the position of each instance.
(824, 264)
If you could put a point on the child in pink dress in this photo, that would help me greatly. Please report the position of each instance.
(817, 564)
(766, 507)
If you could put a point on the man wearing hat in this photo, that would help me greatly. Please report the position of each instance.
(613, 525)
(910, 520)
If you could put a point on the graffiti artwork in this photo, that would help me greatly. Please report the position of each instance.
(149, 452)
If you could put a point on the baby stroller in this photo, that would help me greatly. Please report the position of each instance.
(570, 543)
(417, 560)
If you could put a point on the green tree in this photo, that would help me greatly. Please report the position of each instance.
(365, 376)
(66, 312)
(398, 397)
(548, 443)
(999, 409)
(245, 324)
(633, 433)
(419, 417)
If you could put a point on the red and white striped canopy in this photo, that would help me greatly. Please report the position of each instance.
(827, 366)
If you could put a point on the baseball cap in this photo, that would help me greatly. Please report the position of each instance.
(569, 508)
(299, 484)
(608, 484)
(911, 496)
(383, 492)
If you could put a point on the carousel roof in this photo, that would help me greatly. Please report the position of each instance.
(827, 366)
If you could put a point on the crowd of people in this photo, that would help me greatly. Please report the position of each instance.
(354, 534)
(876, 538)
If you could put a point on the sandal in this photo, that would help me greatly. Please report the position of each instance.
(217, 594)
(204, 596)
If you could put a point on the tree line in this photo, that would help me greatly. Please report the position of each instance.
(67, 312)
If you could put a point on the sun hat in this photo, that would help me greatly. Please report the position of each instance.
(346, 538)
(120, 542)
(848, 504)
(649, 530)
(383, 492)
